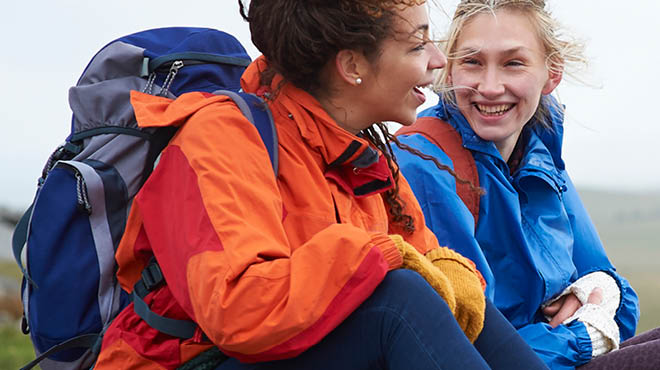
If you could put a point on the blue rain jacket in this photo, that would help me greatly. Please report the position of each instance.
(533, 238)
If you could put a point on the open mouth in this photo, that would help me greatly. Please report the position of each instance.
(419, 92)
(493, 110)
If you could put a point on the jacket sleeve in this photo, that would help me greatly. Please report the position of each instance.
(213, 216)
(444, 212)
(561, 348)
(589, 256)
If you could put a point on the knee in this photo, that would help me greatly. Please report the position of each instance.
(404, 279)
(404, 287)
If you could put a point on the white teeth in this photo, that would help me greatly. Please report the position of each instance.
(494, 109)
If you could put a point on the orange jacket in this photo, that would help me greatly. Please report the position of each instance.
(266, 266)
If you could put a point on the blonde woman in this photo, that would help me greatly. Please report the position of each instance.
(530, 235)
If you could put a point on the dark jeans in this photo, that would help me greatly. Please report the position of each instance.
(405, 324)
(641, 352)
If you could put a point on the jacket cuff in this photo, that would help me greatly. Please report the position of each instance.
(388, 247)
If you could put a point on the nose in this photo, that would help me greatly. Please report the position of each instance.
(490, 84)
(438, 59)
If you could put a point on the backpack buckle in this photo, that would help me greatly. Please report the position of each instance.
(152, 276)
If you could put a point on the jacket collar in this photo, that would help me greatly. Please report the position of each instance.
(347, 159)
(542, 145)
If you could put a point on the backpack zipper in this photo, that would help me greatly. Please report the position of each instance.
(81, 194)
(174, 69)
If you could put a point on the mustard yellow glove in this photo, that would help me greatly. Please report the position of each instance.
(413, 260)
(468, 288)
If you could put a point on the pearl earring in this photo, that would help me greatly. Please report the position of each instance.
(358, 81)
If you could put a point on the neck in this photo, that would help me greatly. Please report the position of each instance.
(346, 113)
(505, 150)
(507, 145)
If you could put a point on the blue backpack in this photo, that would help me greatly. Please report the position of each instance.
(69, 235)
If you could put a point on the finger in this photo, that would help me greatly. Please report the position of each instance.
(553, 308)
(596, 296)
(571, 304)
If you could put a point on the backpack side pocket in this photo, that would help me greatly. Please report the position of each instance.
(71, 257)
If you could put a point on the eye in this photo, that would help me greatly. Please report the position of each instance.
(469, 61)
(419, 47)
(514, 63)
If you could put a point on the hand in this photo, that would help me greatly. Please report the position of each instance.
(468, 287)
(567, 305)
(413, 260)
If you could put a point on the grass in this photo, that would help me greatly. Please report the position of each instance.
(10, 269)
(15, 348)
(628, 224)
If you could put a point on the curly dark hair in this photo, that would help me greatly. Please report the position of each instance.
(299, 37)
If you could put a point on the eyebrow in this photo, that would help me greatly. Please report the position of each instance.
(473, 50)
(424, 28)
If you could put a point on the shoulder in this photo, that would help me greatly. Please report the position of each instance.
(422, 144)
(216, 125)
(423, 175)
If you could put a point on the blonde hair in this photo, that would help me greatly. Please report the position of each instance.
(563, 54)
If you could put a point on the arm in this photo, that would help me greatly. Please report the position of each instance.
(219, 239)
(589, 256)
(444, 212)
(561, 348)
(593, 300)
(461, 275)
(593, 329)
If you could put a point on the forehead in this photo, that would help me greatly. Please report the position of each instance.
(411, 21)
(505, 29)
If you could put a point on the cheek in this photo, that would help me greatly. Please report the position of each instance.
(463, 78)
(407, 76)
(528, 86)
(462, 92)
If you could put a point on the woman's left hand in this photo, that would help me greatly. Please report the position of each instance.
(567, 305)
(468, 285)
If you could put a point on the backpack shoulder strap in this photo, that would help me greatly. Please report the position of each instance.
(443, 135)
(257, 112)
(252, 107)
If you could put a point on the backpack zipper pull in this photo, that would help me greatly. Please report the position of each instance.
(81, 192)
(174, 69)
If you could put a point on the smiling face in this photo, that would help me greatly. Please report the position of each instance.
(500, 75)
(391, 86)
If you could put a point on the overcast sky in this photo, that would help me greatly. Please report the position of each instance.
(611, 131)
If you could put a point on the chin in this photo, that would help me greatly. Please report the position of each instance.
(408, 119)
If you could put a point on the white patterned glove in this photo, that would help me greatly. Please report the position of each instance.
(597, 318)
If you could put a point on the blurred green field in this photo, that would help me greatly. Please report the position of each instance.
(628, 223)
(15, 348)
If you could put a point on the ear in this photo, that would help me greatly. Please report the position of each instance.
(554, 78)
(350, 65)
